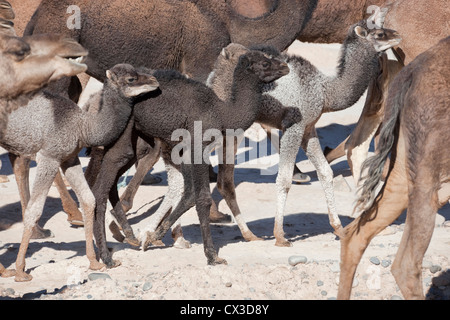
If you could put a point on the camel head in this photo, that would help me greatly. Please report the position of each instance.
(372, 30)
(265, 63)
(131, 82)
(381, 39)
(6, 11)
(29, 63)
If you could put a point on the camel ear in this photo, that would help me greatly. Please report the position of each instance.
(361, 32)
(110, 75)
(225, 53)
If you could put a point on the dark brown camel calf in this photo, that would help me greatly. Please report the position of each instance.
(414, 129)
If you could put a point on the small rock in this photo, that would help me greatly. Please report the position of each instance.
(319, 283)
(375, 260)
(323, 292)
(228, 284)
(294, 260)
(435, 268)
(395, 297)
(386, 263)
(10, 292)
(96, 276)
(147, 286)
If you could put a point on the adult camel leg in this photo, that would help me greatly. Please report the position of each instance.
(47, 169)
(311, 145)
(21, 168)
(75, 217)
(290, 143)
(226, 187)
(389, 205)
(75, 176)
(420, 221)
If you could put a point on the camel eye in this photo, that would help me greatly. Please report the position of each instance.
(131, 80)
(265, 64)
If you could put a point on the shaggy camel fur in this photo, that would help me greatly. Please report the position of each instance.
(270, 113)
(314, 93)
(57, 132)
(418, 177)
(193, 102)
(44, 54)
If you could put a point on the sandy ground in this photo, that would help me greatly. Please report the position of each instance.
(256, 270)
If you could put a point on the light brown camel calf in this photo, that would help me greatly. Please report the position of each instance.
(414, 130)
(27, 65)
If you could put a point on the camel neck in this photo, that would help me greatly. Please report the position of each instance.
(245, 99)
(358, 66)
(106, 118)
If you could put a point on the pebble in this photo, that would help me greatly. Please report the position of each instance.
(319, 283)
(395, 297)
(96, 276)
(295, 260)
(228, 284)
(375, 260)
(435, 268)
(386, 263)
(147, 286)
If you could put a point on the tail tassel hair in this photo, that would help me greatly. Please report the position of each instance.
(372, 169)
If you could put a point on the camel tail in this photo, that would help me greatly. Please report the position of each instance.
(374, 165)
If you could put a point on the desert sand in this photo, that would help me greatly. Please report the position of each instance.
(256, 270)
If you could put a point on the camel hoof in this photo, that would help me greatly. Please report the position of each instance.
(217, 261)
(149, 239)
(219, 217)
(115, 230)
(182, 243)
(40, 233)
(8, 273)
(251, 237)
(96, 265)
(111, 263)
(301, 178)
(22, 277)
(283, 243)
(133, 241)
(76, 223)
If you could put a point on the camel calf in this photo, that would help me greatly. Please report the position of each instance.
(414, 129)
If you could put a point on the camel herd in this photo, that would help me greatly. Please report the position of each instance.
(169, 65)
